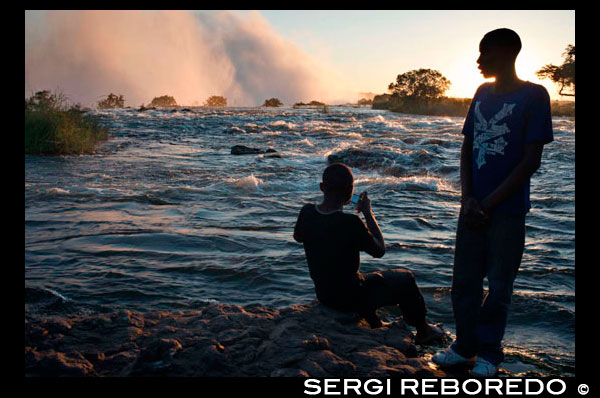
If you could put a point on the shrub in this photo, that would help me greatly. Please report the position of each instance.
(311, 103)
(52, 128)
(444, 106)
(436, 107)
(563, 108)
(273, 102)
(112, 101)
(216, 100)
(163, 101)
(381, 101)
(447, 106)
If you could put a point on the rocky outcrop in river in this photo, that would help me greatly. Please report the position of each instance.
(244, 150)
(221, 340)
(370, 159)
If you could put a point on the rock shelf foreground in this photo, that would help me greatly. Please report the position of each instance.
(222, 340)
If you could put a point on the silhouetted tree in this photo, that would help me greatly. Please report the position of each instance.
(420, 83)
(44, 100)
(216, 100)
(112, 101)
(563, 75)
(273, 102)
(164, 101)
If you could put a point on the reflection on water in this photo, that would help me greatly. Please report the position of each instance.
(164, 217)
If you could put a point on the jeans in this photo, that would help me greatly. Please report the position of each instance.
(494, 251)
(392, 287)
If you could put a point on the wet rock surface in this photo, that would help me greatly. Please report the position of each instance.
(244, 150)
(222, 340)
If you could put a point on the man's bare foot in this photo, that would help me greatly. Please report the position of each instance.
(428, 334)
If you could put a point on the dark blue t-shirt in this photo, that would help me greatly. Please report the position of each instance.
(500, 126)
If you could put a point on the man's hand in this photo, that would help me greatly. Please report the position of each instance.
(364, 204)
(475, 215)
(520, 175)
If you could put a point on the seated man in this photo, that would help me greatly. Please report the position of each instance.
(332, 242)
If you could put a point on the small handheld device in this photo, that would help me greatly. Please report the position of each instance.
(355, 199)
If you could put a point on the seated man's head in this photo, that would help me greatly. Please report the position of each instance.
(338, 183)
(498, 52)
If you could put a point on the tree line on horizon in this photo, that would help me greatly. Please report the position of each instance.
(114, 101)
(420, 90)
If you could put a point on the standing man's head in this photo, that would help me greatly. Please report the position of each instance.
(498, 52)
(338, 183)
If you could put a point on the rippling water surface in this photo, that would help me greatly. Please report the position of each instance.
(162, 216)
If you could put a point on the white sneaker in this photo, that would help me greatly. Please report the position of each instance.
(484, 368)
(449, 357)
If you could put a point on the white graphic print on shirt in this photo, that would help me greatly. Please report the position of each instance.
(486, 130)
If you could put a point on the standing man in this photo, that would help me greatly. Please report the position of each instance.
(506, 127)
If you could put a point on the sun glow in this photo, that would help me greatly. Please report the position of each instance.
(465, 76)
(527, 65)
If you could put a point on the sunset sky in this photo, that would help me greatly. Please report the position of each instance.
(370, 48)
(249, 56)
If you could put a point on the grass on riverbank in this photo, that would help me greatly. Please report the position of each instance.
(434, 107)
(563, 108)
(54, 129)
(447, 106)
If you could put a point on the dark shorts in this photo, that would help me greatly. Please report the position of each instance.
(384, 288)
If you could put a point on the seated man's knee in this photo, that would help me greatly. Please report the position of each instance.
(403, 273)
(401, 278)
(408, 273)
(374, 279)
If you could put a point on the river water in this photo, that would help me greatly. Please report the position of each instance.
(162, 216)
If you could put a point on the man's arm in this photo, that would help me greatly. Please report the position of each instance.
(364, 206)
(522, 172)
(466, 159)
(298, 235)
(472, 211)
(473, 215)
(375, 231)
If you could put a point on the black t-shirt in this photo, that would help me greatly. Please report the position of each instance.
(332, 243)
